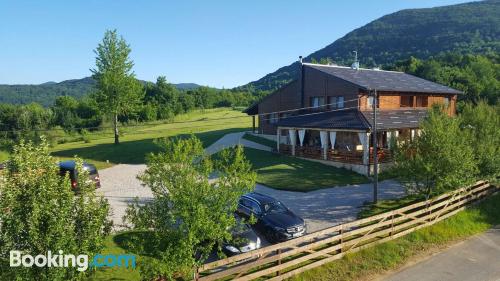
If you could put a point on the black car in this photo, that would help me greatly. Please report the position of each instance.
(244, 239)
(69, 167)
(274, 219)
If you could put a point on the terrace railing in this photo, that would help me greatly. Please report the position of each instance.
(352, 157)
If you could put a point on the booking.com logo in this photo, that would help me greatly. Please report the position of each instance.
(81, 262)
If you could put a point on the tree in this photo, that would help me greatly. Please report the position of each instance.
(65, 112)
(165, 97)
(438, 160)
(118, 90)
(189, 214)
(483, 123)
(41, 213)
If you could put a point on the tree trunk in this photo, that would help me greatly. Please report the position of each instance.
(115, 125)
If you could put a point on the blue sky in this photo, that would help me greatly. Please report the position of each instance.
(215, 43)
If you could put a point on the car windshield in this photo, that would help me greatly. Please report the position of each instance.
(240, 228)
(274, 207)
(92, 170)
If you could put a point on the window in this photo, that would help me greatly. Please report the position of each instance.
(317, 102)
(336, 102)
(272, 118)
(245, 203)
(332, 102)
(446, 101)
(421, 101)
(255, 208)
(274, 207)
(406, 101)
(369, 102)
(340, 102)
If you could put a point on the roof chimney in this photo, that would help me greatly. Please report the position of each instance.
(355, 64)
(300, 59)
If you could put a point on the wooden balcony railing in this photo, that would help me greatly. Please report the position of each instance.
(353, 157)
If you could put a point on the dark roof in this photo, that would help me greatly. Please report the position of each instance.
(396, 119)
(354, 119)
(252, 109)
(341, 119)
(381, 80)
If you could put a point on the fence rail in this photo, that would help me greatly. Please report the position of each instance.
(283, 260)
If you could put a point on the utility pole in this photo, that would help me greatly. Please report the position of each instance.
(375, 157)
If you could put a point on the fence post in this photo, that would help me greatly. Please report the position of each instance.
(392, 223)
(341, 240)
(197, 273)
(278, 252)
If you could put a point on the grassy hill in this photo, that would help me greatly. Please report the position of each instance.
(46, 93)
(137, 141)
(470, 28)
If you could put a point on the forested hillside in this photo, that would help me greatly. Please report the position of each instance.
(47, 93)
(476, 75)
(471, 28)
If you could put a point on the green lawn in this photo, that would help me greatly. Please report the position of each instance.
(260, 140)
(289, 173)
(388, 205)
(393, 254)
(137, 142)
(3, 156)
(113, 246)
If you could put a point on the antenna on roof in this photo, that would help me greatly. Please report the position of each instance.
(355, 64)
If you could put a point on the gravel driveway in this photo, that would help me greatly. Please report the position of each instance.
(119, 184)
(331, 206)
(320, 208)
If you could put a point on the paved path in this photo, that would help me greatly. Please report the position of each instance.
(475, 259)
(327, 207)
(234, 139)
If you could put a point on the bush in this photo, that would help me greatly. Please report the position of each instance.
(41, 213)
(440, 159)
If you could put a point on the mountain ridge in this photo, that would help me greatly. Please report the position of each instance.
(46, 93)
(472, 27)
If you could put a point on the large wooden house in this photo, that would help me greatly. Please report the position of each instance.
(335, 120)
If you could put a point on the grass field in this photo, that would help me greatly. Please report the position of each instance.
(393, 254)
(137, 142)
(260, 140)
(289, 173)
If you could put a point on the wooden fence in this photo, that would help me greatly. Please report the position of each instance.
(283, 260)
